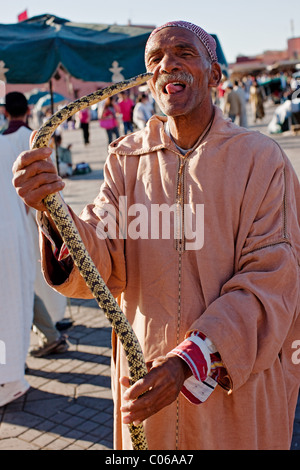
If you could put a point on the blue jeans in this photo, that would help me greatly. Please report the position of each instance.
(128, 127)
(111, 132)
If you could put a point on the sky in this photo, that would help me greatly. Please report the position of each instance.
(243, 28)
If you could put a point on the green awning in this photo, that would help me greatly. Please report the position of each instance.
(31, 51)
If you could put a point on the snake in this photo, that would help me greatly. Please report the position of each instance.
(81, 258)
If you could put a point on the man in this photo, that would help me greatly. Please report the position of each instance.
(216, 308)
(243, 121)
(232, 103)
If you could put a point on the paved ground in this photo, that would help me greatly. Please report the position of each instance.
(69, 405)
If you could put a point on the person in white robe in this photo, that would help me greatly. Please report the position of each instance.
(17, 274)
(49, 306)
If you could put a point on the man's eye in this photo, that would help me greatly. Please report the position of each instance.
(153, 60)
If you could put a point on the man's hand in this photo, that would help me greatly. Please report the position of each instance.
(159, 388)
(35, 177)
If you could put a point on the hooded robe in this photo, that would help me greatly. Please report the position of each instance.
(236, 281)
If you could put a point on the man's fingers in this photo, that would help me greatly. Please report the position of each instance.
(34, 169)
(146, 405)
(27, 158)
(40, 193)
(159, 388)
(47, 184)
(35, 177)
(125, 381)
(140, 387)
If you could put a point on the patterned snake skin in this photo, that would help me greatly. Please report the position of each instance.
(69, 233)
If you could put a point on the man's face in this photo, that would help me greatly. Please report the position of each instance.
(181, 71)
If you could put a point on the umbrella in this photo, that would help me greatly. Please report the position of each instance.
(296, 74)
(35, 95)
(46, 100)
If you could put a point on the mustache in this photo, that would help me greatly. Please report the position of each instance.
(184, 77)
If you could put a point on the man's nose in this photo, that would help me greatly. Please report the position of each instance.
(169, 63)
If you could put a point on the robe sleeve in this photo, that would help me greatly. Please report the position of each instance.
(250, 320)
(97, 224)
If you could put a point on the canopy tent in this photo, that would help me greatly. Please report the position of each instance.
(220, 54)
(31, 51)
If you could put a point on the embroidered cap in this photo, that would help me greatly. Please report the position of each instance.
(207, 40)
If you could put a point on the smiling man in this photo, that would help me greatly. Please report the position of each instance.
(185, 67)
(216, 322)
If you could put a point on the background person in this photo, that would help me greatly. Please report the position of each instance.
(84, 119)
(243, 121)
(126, 106)
(51, 341)
(17, 274)
(46, 301)
(108, 119)
(257, 98)
(232, 104)
(141, 112)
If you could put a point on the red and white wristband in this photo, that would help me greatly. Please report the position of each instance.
(201, 356)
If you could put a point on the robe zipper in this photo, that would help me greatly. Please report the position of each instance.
(180, 248)
(179, 243)
(180, 238)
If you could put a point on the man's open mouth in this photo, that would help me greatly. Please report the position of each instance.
(173, 88)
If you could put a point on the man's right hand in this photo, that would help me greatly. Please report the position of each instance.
(35, 177)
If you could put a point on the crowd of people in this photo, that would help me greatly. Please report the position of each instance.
(124, 113)
(127, 112)
(232, 95)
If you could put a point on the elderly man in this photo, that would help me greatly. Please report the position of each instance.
(215, 303)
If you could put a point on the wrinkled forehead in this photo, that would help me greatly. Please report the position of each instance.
(169, 37)
(175, 31)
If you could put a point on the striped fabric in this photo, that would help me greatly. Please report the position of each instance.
(205, 363)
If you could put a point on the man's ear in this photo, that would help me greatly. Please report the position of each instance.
(215, 75)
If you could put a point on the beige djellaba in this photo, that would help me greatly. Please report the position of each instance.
(237, 281)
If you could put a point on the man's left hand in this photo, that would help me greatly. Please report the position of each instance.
(159, 388)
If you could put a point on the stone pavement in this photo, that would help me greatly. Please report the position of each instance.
(69, 405)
